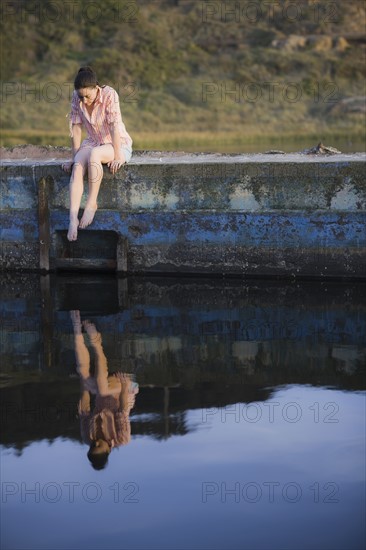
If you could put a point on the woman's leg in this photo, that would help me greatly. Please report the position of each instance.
(82, 355)
(76, 190)
(98, 156)
(101, 367)
(107, 385)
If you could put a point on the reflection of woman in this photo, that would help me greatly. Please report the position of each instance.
(107, 425)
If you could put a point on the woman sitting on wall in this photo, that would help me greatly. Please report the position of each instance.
(97, 109)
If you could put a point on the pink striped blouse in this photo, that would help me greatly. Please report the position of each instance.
(114, 423)
(106, 112)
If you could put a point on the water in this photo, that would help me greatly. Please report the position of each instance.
(247, 432)
(286, 144)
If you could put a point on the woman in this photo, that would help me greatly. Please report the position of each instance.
(96, 108)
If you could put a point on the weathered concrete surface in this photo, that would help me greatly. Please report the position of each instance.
(277, 215)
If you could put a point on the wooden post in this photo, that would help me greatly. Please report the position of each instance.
(43, 224)
(47, 322)
(122, 250)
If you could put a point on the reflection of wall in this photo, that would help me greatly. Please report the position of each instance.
(20, 323)
(148, 346)
(180, 331)
(246, 354)
(347, 358)
(341, 358)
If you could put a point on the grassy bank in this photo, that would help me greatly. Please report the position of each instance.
(207, 141)
(188, 74)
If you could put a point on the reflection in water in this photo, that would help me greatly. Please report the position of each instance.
(106, 424)
(248, 427)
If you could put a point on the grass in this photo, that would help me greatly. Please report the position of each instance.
(203, 141)
(186, 81)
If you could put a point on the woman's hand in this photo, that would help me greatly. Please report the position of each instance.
(66, 167)
(115, 165)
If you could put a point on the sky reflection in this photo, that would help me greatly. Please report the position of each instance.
(237, 484)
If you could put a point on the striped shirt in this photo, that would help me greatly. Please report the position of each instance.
(108, 420)
(114, 426)
(105, 113)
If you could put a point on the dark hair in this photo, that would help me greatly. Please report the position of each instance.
(98, 461)
(86, 78)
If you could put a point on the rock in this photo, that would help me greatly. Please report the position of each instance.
(321, 149)
(320, 43)
(340, 44)
(317, 42)
(293, 42)
(350, 105)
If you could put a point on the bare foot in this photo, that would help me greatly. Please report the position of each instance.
(72, 233)
(76, 320)
(91, 331)
(88, 216)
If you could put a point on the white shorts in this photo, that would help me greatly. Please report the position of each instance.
(89, 144)
(127, 153)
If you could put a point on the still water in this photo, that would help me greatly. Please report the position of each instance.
(237, 419)
(287, 145)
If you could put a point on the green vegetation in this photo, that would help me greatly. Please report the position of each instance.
(187, 71)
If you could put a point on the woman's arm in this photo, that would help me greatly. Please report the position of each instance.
(118, 160)
(123, 397)
(84, 402)
(76, 139)
(116, 141)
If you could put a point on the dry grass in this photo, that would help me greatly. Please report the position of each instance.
(189, 141)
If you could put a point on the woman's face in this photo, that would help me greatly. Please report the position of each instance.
(100, 446)
(87, 95)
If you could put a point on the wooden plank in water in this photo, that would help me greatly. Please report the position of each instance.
(92, 264)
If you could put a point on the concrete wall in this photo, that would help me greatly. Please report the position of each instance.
(245, 215)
